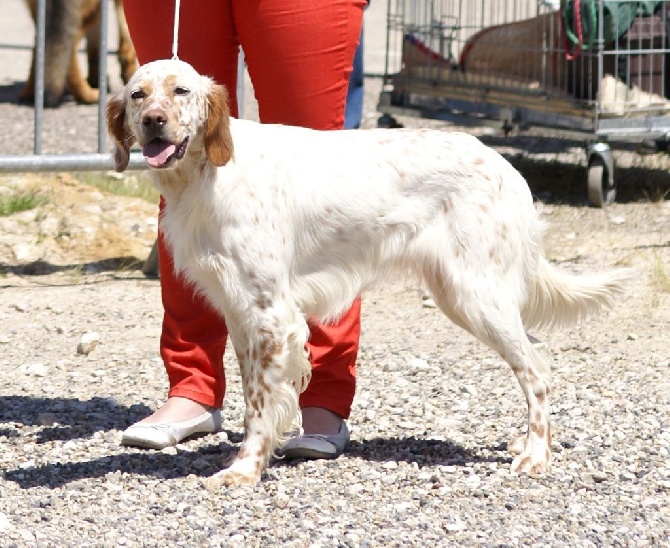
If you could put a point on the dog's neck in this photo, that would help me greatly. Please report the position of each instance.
(191, 170)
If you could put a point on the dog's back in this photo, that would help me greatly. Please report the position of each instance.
(381, 200)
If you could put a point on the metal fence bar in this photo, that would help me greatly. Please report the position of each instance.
(20, 163)
(40, 39)
(102, 74)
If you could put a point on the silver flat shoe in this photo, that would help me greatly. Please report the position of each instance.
(168, 434)
(317, 446)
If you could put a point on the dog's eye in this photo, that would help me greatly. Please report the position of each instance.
(181, 90)
(137, 94)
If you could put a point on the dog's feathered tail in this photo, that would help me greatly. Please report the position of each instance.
(559, 299)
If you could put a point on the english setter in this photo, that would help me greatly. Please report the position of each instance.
(275, 224)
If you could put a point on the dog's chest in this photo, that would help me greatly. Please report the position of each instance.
(214, 228)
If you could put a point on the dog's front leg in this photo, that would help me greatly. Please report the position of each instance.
(271, 381)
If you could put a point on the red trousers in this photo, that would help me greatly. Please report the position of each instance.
(299, 55)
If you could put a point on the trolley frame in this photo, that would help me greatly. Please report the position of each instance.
(523, 63)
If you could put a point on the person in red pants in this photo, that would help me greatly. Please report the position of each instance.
(299, 56)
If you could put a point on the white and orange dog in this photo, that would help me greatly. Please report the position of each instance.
(274, 224)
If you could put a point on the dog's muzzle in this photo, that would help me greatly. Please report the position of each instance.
(159, 150)
(160, 153)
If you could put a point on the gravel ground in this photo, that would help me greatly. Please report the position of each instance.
(433, 414)
(434, 410)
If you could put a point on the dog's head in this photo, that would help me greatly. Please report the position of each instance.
(171, 111)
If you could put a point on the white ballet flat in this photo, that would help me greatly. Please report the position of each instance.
(317, 446)
(168, 434)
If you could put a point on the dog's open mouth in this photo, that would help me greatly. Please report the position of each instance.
(161, 153)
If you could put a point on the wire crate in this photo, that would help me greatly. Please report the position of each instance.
(599, 67)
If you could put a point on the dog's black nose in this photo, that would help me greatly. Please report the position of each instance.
(155, 118)
(154, 122)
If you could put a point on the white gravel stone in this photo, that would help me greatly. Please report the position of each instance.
(88, 342)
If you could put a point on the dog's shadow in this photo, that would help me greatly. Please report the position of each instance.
(205, 461)
(77, 419)
(417, 450)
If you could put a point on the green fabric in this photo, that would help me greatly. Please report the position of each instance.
(617, 18)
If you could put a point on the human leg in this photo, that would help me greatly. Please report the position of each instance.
(299, 55)
(327, 400)
(192, 345)
(312, 94)
(193, 336)
(356, 91)
(333, 349)
(299, 60)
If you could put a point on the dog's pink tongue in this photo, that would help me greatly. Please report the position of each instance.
(158, 152)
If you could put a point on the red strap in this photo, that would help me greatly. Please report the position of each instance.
(571, 56)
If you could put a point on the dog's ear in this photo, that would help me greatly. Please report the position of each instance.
(218, 140)
(116, 125)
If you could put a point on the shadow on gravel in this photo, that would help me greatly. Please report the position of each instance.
(203, 462)
(81, 419)
(425, 452)
(566, 184)
(10, 93)
(206, 461)
(66, 418)
(44, 268)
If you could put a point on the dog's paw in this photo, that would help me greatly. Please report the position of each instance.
(229, 478)
(533, 463)
(517, 444)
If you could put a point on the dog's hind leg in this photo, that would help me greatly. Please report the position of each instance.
(275, 369)
(530, 366)
(490, 314)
